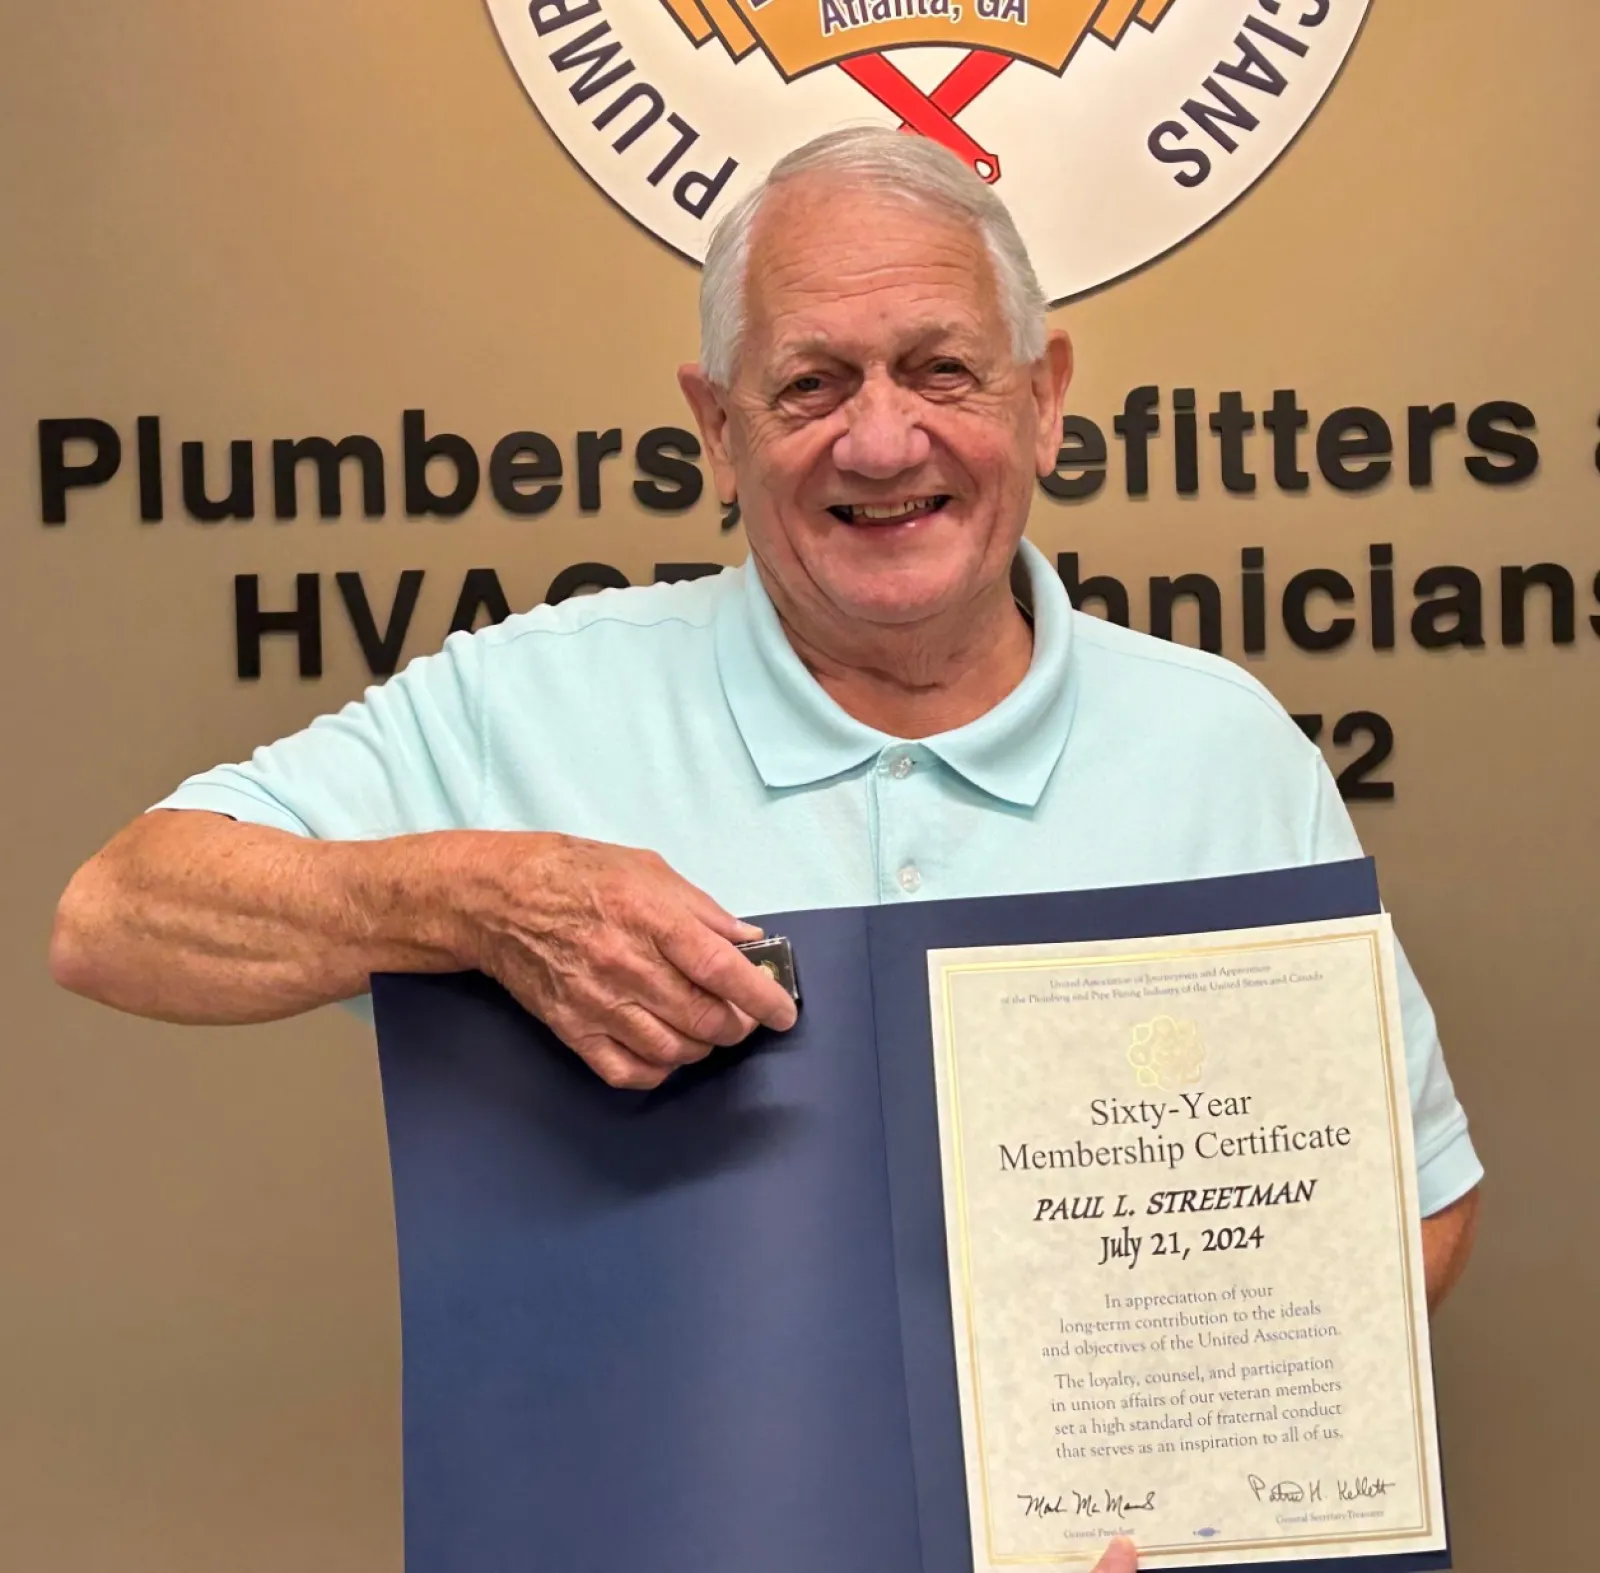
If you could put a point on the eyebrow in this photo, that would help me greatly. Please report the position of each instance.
(923, 336)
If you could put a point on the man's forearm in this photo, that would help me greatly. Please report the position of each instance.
(191, 917)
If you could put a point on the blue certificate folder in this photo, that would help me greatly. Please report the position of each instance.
(707, 1329)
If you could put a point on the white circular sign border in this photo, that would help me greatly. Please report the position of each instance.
(705, 161)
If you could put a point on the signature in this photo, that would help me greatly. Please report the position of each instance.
(1284, 1490)
(1363, 1487)
(1087, 1504)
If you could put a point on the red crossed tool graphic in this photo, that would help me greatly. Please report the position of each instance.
(934, 114)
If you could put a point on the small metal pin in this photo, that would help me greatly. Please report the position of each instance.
(775, 956)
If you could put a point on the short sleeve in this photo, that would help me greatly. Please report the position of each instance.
(1447, 1164)
(405, 758)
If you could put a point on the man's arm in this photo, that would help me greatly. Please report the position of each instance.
(190, 917)
(1446, 1244)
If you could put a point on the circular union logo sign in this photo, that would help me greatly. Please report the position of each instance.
(1114, 129)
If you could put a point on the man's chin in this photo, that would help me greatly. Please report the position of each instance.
(890, 598)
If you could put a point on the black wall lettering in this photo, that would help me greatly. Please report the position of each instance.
(1197, 587)
(1111, 593)
(1231, 421)
(381, 651)
(1286, 420)
(1354, 786)
(240, 503)
(152, 501)
(1454, 617)
(1136, 425)
(1354, 433)
(676, 573)
(252, 625)
(1253, 585)
(1380, 560)
(1317, 581)
(420, 451)
(1515, 583)
(583, 577)
(593, 449)
(1423, 423)
(329, 459)
(1486, 427)
(1186, 443)
(1080, 461)
(521, 458)
(57, 477)
(481, 593)
(666, 452)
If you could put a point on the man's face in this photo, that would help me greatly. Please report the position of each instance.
(879, 436)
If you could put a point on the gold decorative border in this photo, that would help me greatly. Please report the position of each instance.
(1386, 1055)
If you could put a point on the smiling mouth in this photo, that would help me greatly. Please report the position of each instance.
(889, 512)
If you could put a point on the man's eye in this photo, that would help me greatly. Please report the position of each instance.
(948, 368)
(804, 385)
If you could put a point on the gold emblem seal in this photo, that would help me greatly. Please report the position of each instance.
(1167, 1054)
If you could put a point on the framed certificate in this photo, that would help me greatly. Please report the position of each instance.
(1184, 1248)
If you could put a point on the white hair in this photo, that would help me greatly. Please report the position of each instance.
(912, 168)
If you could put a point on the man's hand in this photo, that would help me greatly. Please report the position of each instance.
(1120, 1557)
(628, 963)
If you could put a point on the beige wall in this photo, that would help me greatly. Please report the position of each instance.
(264, 221)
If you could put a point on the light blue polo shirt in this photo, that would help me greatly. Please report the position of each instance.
(677, 717)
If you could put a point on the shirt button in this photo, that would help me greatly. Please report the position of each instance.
(910, 878)
(902, 767)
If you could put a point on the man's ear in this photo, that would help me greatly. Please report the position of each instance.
(711, 415)
(1052, 375)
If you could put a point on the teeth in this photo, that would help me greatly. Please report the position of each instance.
(892, 510)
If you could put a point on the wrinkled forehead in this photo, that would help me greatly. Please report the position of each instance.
(858, 266)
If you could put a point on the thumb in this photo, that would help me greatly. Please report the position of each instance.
(1120, 1557)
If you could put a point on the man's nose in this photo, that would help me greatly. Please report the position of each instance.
(884, 437)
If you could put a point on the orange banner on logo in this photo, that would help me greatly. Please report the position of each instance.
(801, 35)
(692, 20)
(725, 18)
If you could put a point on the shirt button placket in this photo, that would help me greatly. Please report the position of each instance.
(899, 875)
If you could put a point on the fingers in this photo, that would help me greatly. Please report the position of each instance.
(617, 1066)
(637, 1042)
(712, 964)
(643, 1033)
(1120, 1557)
(720, 921)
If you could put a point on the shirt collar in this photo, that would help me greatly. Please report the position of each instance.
(798, 735)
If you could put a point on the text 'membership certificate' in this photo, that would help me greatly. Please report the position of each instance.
(1185, 1257)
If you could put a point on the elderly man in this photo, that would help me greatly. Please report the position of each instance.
(892, 700)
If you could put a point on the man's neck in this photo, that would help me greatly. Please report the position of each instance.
(922, 679)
